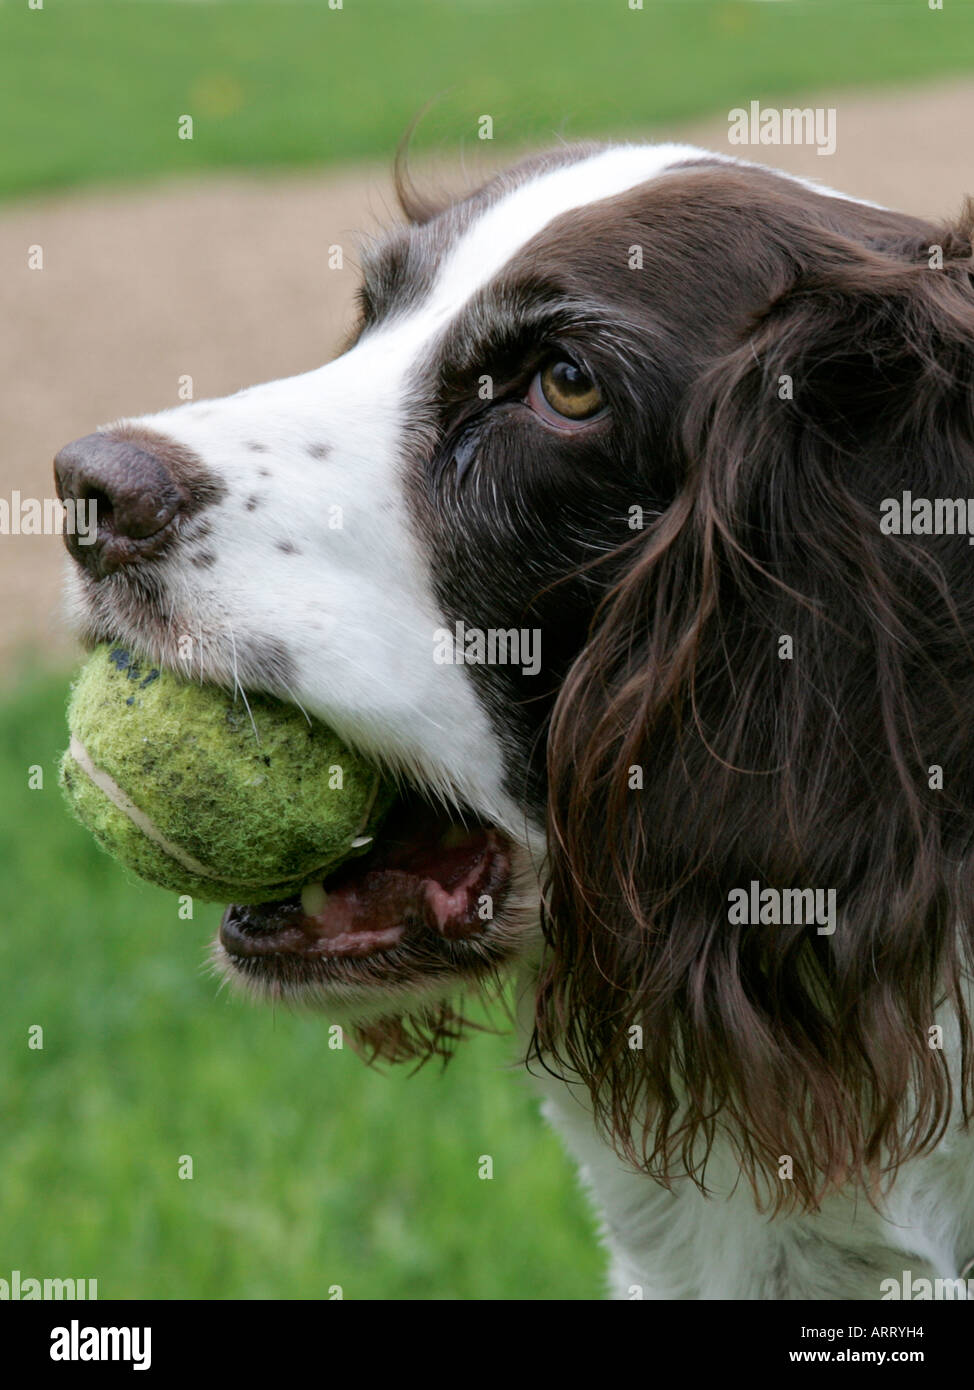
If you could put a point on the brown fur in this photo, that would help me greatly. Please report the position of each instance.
(795, 773)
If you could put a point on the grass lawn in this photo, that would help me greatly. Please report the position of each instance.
(310, 1170)
(93, 89)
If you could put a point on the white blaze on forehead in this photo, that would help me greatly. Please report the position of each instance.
(507, 225)
(516, 217)
(510, 223)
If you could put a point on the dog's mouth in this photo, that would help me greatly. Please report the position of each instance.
(429, 887)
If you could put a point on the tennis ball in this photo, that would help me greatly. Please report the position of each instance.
(182, 784)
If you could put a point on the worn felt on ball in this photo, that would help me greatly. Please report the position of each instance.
(171, 779)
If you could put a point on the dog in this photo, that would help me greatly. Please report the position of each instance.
(626, 532)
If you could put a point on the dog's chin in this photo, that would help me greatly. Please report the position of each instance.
(438, 904)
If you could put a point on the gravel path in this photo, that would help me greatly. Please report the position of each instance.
(228, 280)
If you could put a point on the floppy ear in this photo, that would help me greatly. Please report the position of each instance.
(765, 698)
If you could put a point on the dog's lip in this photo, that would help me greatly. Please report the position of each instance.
(252, 934)
(115, 552)
(427, 881)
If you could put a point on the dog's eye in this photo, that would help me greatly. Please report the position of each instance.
(564, 395)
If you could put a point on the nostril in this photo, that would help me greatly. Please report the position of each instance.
(99, 500)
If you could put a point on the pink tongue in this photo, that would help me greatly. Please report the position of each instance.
(445, 906)
(386, 898)
(380, 900)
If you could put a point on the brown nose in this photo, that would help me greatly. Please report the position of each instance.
(130, 498)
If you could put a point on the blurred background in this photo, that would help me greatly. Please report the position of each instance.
(165, 257)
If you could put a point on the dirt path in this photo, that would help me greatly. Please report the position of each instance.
(228, 281)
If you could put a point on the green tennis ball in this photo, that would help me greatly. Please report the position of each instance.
(171, 778)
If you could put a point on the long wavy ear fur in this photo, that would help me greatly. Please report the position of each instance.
(763, 698)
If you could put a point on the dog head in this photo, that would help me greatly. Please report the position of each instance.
(582, 536)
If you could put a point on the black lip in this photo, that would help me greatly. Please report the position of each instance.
(256, 934)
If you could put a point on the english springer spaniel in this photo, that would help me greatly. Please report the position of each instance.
(627, 531)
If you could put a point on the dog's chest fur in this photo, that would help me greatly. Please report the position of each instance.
(680, 1244)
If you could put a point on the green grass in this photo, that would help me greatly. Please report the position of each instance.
(94, 90)
(310, 1170)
